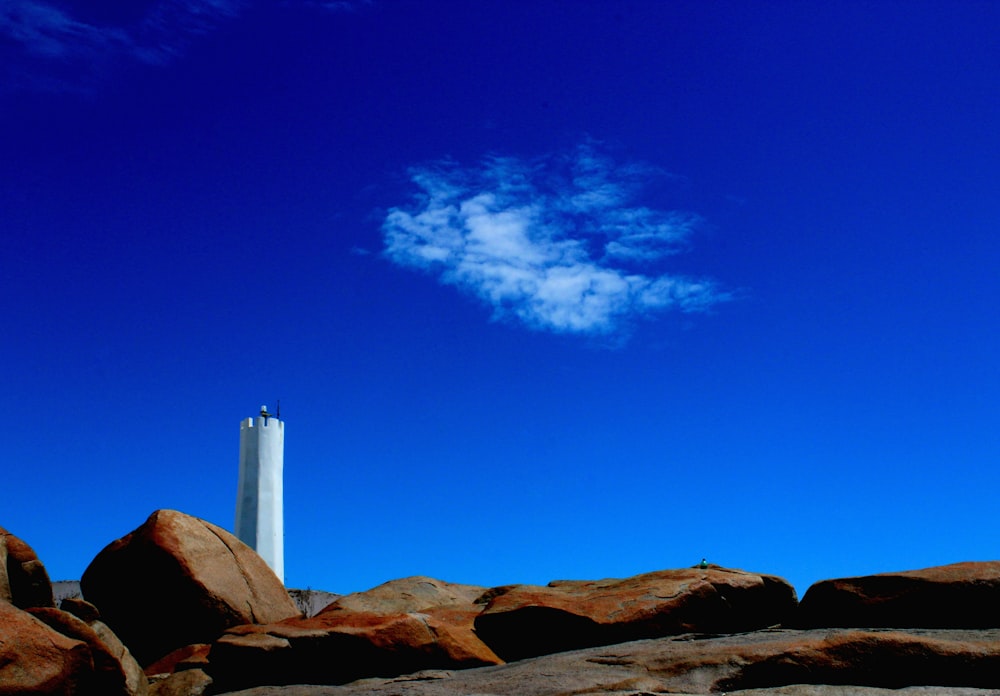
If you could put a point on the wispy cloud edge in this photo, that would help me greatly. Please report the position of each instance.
(61, 52)
(556, 242)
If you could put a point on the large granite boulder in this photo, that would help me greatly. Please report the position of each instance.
(36, 659)
(178, 580)
(961, 595)
(400, 627)
(115, 671)
(527, 620)
(24, 581)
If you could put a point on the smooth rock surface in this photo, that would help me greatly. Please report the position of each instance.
(192, 682)
(343, 645)
(787, 662)
(414, 593)
(115, 671)
(178, 580)
(526, 620)
(81, 609)
(960, 595)
(36, 659)
(180, 660)
(24, 582)
(401, 626)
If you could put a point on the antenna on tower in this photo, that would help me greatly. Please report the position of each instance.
(277, 410)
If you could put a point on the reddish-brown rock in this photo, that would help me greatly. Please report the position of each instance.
(180, 660)
(961, 595)
(36, 659)
(414, 593)
(955, 661)
(192, 682)
(434, 638)
(400, 627)
(178, 580)
(115, 672)
(24, 581)
(526, 620)
(81, 609)
(880, 659)
(343, 646)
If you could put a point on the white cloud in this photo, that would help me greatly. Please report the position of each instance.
(555, 242)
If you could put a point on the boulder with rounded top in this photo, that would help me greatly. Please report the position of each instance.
(178, 580)
(527, 620)
(402, 626)
(414, 593)
(36, 659)
(115, 671)
(24, 582)
(960, 595)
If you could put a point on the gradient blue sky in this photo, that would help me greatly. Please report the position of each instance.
(548, 289)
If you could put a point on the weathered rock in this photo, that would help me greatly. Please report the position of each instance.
(81, 609)
(526, 620)
(192, 682)
(791, 690)
(115, 671)
(770, 662)
(178, 580)
(869, 658)
(24, 581)
(180, 660)
(36, 659)
(408, 594)
(401, 626)
(135, 679)
(961, 595)
(342, 645)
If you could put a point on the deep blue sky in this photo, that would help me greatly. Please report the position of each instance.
(546, 289)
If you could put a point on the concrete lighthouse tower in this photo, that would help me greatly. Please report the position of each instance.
(260, 522)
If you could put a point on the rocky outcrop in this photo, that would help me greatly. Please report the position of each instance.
(414, 593)
(192, 682)
(771, 661)
(178, 580)
(114, 670)
(181, 673)
(36, 659)
(403, 626)
(24, 581)
(526, 620)
(960, 595)
(189, 657)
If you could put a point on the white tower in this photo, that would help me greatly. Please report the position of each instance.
(260, 522)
